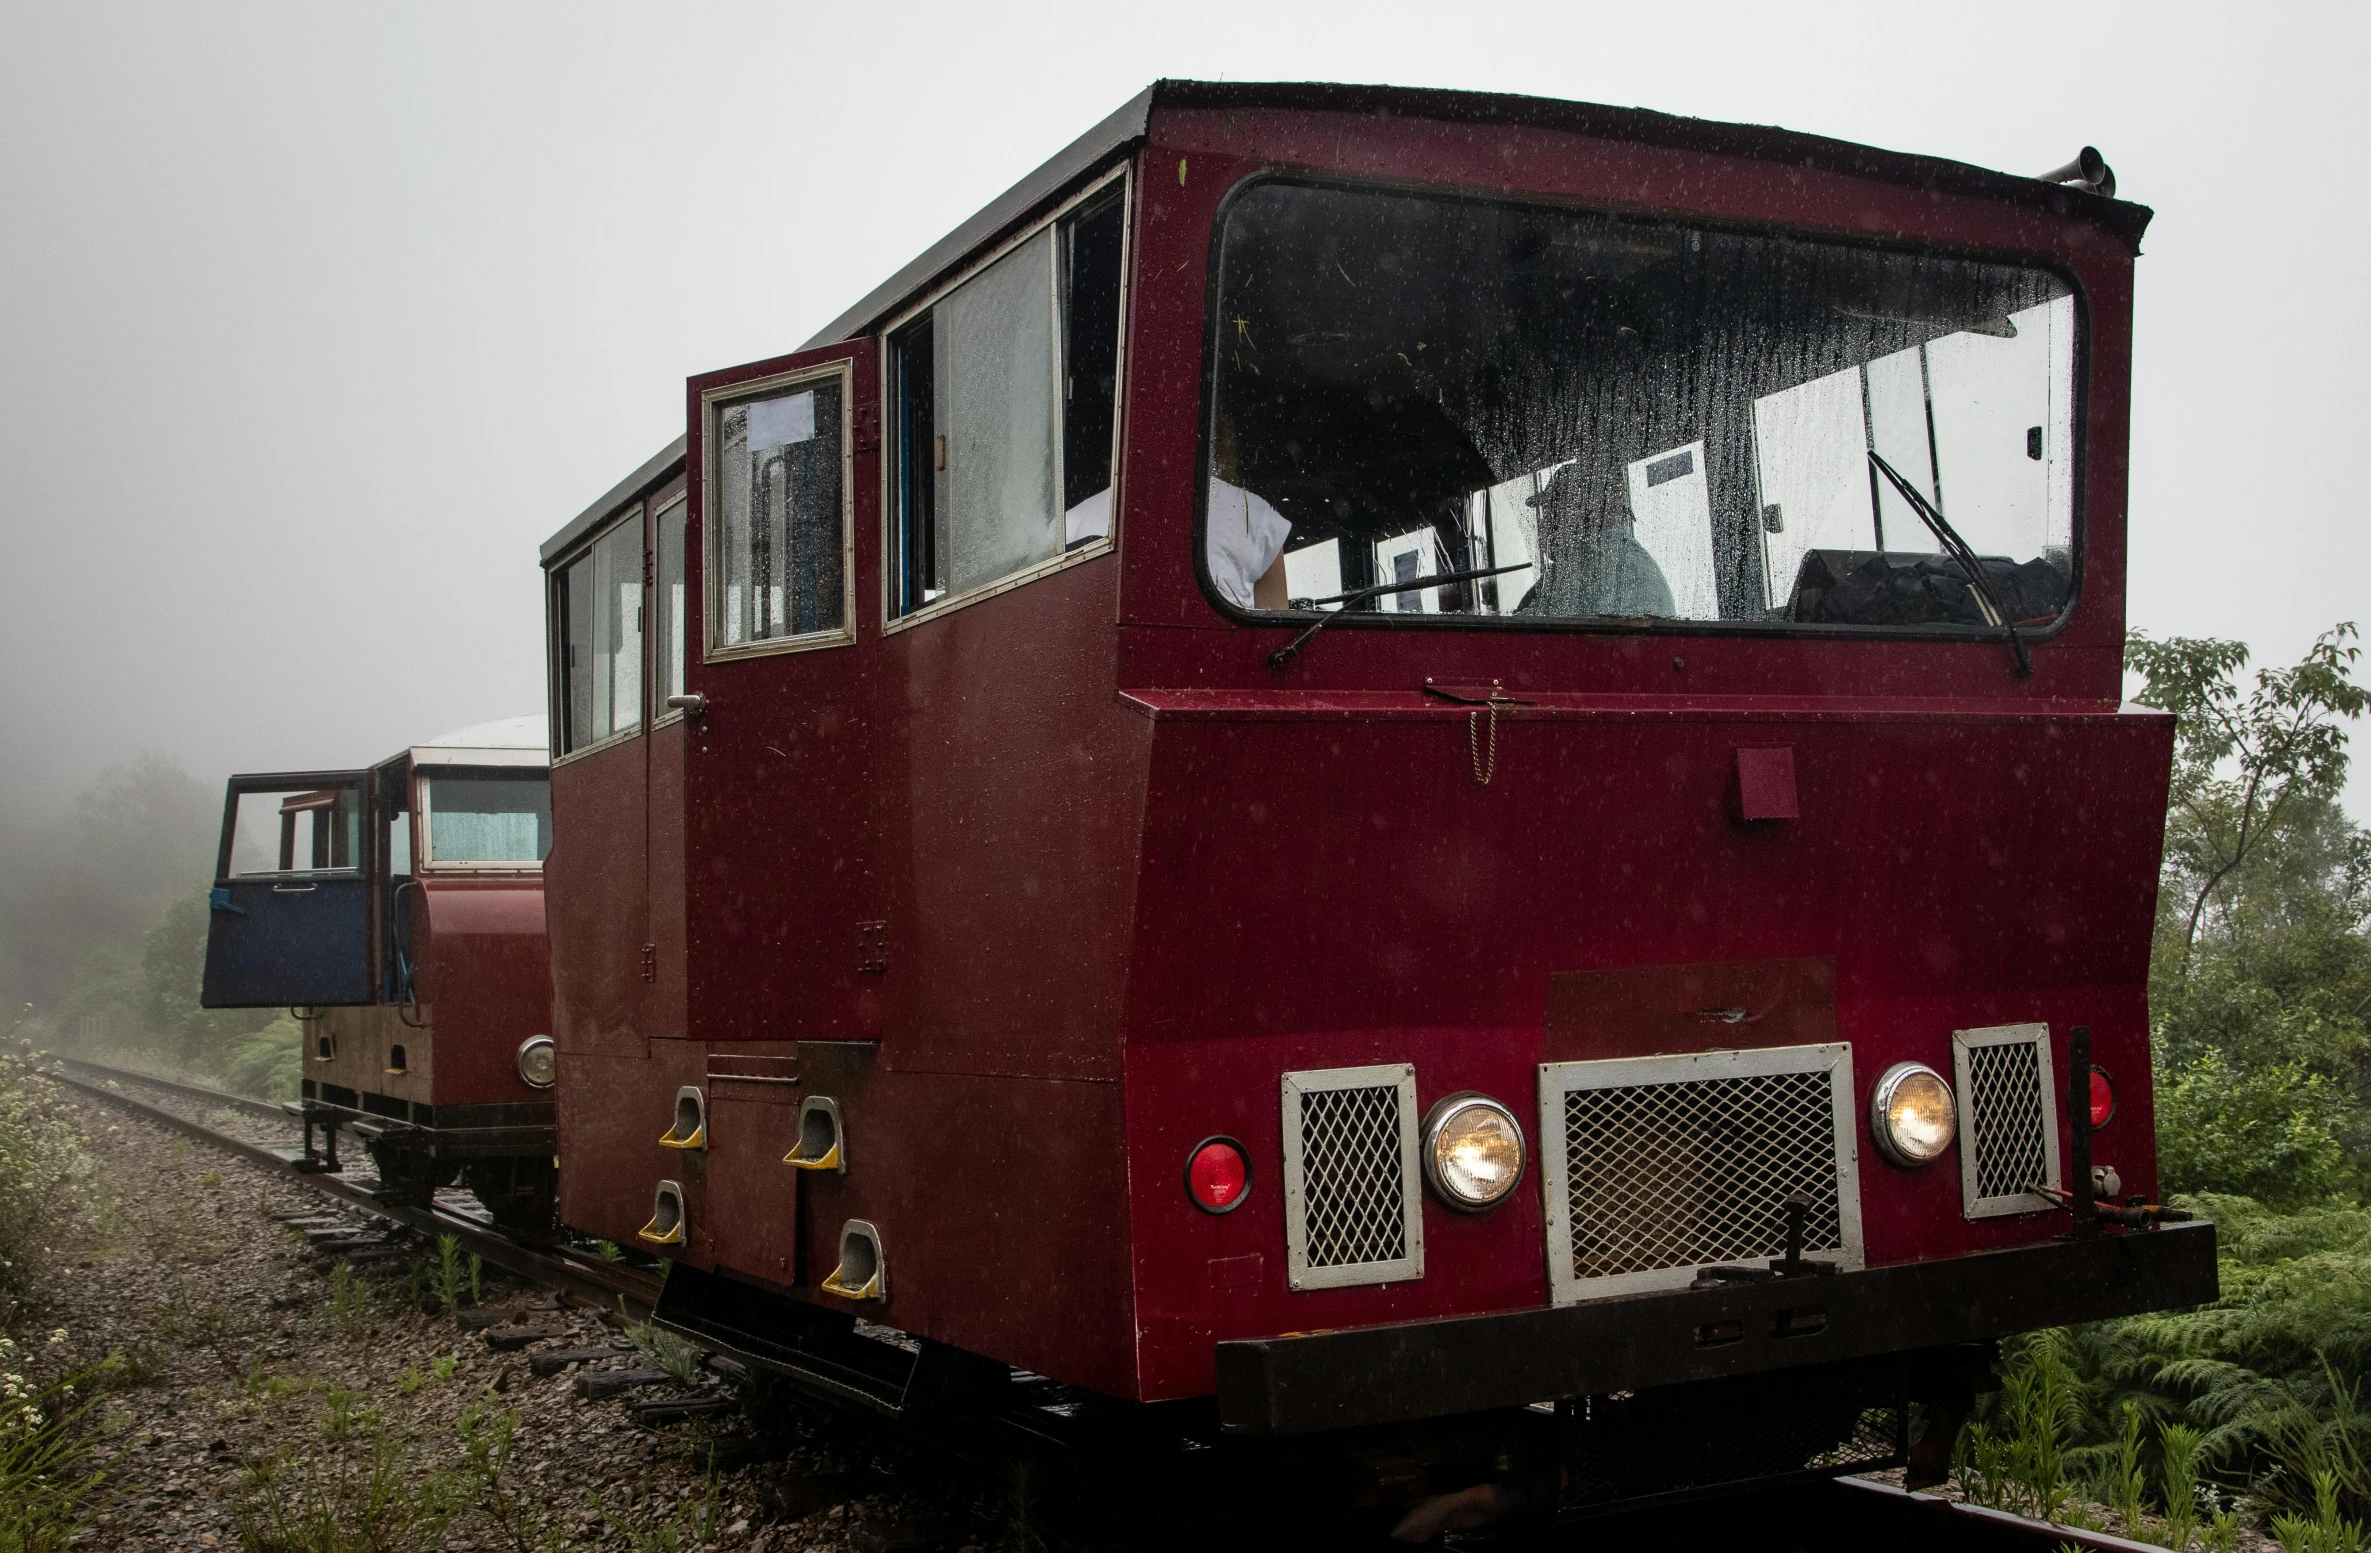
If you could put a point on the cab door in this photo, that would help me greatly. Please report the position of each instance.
(290, 919)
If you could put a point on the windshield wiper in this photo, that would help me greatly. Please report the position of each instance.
(1292, 649)
(1957, 548)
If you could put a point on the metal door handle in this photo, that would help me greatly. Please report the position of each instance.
(294, 889)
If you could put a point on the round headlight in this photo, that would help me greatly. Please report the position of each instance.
(1913, 1115)
(1473, 1151)
(539, 1061)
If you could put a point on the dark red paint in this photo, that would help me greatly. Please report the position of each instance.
(1126, 875)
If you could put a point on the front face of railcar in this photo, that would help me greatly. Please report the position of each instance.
(399, 912)
(1635, 868)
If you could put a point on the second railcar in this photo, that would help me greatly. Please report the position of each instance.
(398, 912)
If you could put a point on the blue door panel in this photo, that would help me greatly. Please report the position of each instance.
(282, 943)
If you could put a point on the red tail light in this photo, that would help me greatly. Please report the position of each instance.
(2103, 1100)
(1218, 1175)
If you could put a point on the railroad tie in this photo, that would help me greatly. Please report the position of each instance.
(512, 1339)
(553, 1360)
(597, 1385)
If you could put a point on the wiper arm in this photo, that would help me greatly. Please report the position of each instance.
(1292, 649)
(1957, 548)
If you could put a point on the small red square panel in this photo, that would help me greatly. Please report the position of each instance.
(1766, 784)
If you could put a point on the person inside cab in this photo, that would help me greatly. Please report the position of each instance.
(1593, 562)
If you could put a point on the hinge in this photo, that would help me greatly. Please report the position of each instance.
(872, 948)
(650, 962)
(867, 428)
(648, 572)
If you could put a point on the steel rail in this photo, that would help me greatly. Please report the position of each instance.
(214, 1097)
(597, 1282)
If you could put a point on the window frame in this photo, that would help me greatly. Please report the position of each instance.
(239, 786)
(713, 403)
(425, 769)
(2079, 412)
(556, 642)
(1123, 174)
(663, 714)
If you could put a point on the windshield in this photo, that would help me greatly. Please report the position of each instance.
(490, 817)
(1643, 420)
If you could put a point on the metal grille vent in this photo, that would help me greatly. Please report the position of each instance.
(1671, 1164)
(2008, 1125)
(1351, 1210)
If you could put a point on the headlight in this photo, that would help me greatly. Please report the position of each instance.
(1912, 1115)
(539, 1061)
(1473, 1151)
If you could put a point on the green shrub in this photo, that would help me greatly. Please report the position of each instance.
(47, 1484)
(2268, 1132)
(268, 1063)
(48, 1185)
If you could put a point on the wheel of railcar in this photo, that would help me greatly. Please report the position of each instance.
(409, 1178)
(520, 1194)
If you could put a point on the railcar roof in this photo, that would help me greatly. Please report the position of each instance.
(1757, 141)
(507, 741)
(1129, 124)
(655, 468)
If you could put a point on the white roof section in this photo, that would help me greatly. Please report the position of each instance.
(508, 741)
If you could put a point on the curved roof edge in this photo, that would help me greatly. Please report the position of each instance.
(654, 469)
(2122, 218)
(531, 732)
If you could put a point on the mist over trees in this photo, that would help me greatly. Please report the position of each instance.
(103, 930)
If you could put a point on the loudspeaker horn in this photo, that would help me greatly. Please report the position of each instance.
(2089, 170)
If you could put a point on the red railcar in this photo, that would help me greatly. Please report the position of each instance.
(1382, 756)
(398, 911)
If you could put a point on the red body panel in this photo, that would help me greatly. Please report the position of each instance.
(1129, 875)
(485, 972)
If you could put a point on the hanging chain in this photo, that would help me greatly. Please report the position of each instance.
(1485, 761)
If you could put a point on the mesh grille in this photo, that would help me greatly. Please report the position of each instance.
(2006, 1117)
(1686, 1174)
(1350, 1176)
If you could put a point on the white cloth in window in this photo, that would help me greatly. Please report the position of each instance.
(1090, 519)
(1245, 536)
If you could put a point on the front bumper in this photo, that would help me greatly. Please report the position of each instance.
(441, 1132)
(1392, 1374)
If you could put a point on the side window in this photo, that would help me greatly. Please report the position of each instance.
(777, 554)
(296, 831)
(487, 818)
(599, 598)
(1003, 411)
(667, 550)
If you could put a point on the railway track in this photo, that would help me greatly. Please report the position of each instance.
(1813, 1517)
(562, 1267)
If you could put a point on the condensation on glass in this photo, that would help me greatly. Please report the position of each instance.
(780, 560)
(297, 831)
(1627, 419)
(669, 642)
(486, 817)
(600, 604)
(1005, 393)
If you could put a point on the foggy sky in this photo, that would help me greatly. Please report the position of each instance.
(318, 318)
